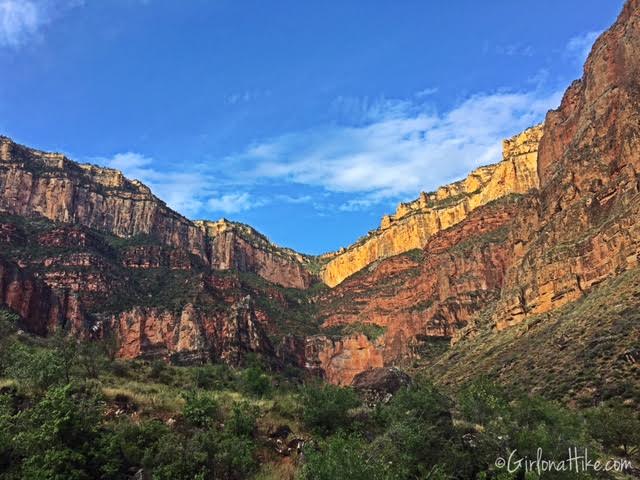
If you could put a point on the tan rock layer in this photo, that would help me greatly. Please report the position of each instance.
(461, 272)
(50, 185)
(414, 223)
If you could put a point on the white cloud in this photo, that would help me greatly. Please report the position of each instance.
(19, 19)
(233, 203)
(578, 47)
(181, 190)
(22, 20)
(404, 150)
(392, 150)
(426, 92)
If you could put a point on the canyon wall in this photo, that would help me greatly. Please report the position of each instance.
(235, 246)
(415, 222)
(584, 227)
(35, 183)
(433, 293)
(49, 184)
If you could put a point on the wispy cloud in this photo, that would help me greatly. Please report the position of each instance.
(234, 202)
(246, 96)
(426, 92)
(184, 191)
(404, 148)
(389, 150)
(578, 47)
(19, 20)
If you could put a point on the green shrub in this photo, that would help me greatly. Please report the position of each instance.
(255, 382)
(200, 410)
(57, 436)
(615, 427)
(38, 368)
(242, 420)
(212, 377)
(343, 456)
(326, 407)
(482, 401)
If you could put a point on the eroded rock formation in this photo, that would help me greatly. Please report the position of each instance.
(584, 227)
(235, 246)
(414, 223)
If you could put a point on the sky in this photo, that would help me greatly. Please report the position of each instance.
(309, 120)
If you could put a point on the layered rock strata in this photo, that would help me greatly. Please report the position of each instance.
(415, 222)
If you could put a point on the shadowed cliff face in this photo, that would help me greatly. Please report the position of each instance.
(584, 228)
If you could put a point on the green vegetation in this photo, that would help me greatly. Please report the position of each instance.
(370, 330)
(61, 419)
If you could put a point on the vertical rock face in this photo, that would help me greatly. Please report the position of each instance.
(585, 226)
(35, 183)
(190, 335)
(335, 360)
(157, 301)
(414, 223)
(49, 184)
(433, 293)
(235, 246)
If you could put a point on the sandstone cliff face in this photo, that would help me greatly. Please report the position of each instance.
(190, 335)
(35, 183)
(157, 301)
(235, 246)
(414, 223)
(48, 184)
(584, 227)
(336, 360)
(433, 293)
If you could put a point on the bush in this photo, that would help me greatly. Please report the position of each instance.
(615, 427)
(482, 401)
(242, 420)
(37, 368)
(326, 407)
(255, 382)
(210, 377)
(343, 456)
(200, 410)
(57, 436)
(419, 434)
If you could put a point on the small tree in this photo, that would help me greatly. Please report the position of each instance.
(615, 426)
(326, 407)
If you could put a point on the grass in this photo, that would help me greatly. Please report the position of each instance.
(580, 354)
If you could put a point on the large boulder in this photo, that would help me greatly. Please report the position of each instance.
(378, 385)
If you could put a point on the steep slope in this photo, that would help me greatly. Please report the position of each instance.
(414, 223)
(236, 246)
(423, 298)
(580, 229)
(585, 227)
(35, 183)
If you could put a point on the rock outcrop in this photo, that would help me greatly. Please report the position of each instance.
(430, 293)
(236, 246)
(414, 223)
(584, 226)
(49, 184)
(378, 385)
(190, 335)
(336, 360)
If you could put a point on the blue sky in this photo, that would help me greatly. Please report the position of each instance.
(307, 120)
